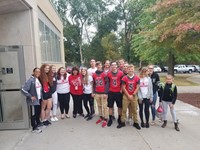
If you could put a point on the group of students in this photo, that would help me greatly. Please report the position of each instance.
(103, 85)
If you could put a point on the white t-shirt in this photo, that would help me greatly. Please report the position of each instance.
(88, 87)
(91, 71)
(63, 85)
(144, 83)
(38, 87)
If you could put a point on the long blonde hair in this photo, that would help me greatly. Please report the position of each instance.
(86, 77)
(143, 72)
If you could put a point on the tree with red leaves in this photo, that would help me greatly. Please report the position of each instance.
(170, 30)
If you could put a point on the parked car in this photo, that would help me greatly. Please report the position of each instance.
(182, 69)
(164, 69)
(196, 68)
(191, 66)
(156, 68)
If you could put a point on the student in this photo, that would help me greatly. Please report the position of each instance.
(130, 87)
(63, 92)
(33, 92)
(91, 71)
(47, 82)
(121, 64)
(168, 95)
(100, 93)
(76, 90)
(87, 81)
(93, 67)
(106, 68)
(115, 93)
(145, 96)
(155, 81)
(130, 116)
(54, 94)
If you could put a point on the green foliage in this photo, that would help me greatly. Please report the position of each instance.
(170, 25)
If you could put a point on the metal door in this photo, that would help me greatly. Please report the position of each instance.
(13, 107)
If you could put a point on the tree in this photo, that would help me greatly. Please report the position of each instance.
(111, 44)
(171, 31)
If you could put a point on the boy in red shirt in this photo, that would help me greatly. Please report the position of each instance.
(115, 93)
(100, 93)
(130, 87)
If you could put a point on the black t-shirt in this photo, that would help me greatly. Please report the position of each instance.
(155, 81)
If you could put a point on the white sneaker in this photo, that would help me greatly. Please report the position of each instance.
(153, 123)
(55, 118)
(37, 130)
(52, 119)
(130, 121)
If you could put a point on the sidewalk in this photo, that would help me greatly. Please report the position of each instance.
(78, 134)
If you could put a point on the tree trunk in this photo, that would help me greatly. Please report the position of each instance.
(171, 63)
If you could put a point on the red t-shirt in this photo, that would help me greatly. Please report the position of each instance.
(46, 87)
(99, 82)
(131, 83)
(75, 82)
(115, 81)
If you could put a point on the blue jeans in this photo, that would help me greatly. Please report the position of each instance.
(153, 106)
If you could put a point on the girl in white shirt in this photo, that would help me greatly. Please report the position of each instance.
(145, 96)
(63, 92)
(87, 92)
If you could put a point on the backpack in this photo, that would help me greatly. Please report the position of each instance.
(172, 87)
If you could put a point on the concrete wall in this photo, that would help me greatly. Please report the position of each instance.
(15, 29)
(22, 28)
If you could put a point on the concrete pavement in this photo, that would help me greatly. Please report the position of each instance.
(79, 134)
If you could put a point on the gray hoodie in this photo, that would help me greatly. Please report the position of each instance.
(29, 90)
(149, 93)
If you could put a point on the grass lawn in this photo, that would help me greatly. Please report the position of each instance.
(180, 80)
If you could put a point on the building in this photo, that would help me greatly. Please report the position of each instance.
(31, 33)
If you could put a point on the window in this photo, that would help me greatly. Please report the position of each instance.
(49, 43)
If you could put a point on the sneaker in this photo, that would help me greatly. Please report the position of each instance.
(55, 118)
(62, 116)
(52, 119)
(130, 121)
(67, 116)
(47, 122)
(147, 125)
(104, 123)
(119, 121)
(98, 121)
(82, 115)
(89, 118)
(109, 122)
(37, 130)
(74, 115)
(122, 124)
(88, 115)
(137, 126)
(153, 123)
(143, 124)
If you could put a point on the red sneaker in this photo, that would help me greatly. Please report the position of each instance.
(98, 121)
(104, 123)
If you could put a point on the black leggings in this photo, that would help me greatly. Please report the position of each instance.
(87, 98)
(146, 104)
(77, 104)
(64, 102)
(35, 111)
